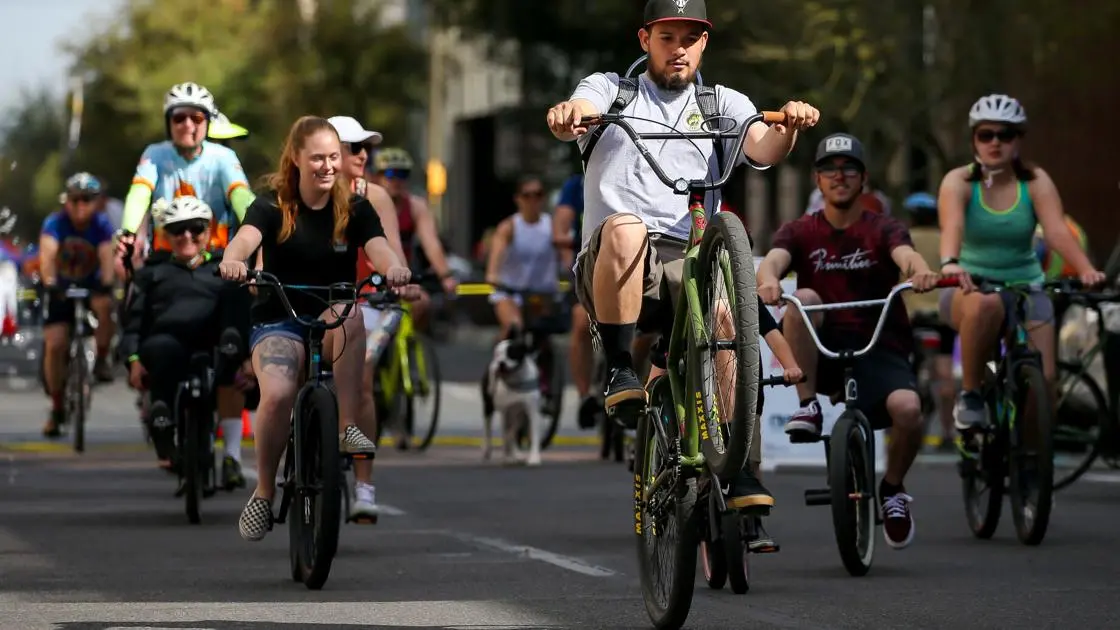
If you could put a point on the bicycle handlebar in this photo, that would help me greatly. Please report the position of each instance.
(779, 380)
(264, 278)
(837, 306)
(681, 186)
(388, 297)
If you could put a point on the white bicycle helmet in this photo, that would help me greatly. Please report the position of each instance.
(999, 108)
(189, 95)
(180, 209)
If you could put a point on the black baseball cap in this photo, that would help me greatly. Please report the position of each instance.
(840, 145)
(665, 10)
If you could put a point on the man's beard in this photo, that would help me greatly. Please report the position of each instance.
(673, 81)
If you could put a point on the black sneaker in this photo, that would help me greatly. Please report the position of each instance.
(231, 474)
(748, 493)
(589, 411)
(162, 430)
(103, 370)
(52, 428)
(625, 398)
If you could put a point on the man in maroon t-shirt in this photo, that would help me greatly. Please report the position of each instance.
(846, 253)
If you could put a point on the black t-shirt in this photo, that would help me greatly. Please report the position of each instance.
(309, 256)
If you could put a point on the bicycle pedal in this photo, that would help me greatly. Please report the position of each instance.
(763, 546)
(755, 510)
(362, 519)
(801, 437)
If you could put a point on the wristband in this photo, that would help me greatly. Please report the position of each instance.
(133, 358)
(950, 261)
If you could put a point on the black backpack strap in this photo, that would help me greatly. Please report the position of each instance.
(706, 99)
(627, 92)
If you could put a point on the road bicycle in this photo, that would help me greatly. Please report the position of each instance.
(406, 382)
(685, 436)
(1086, 427)
(313, 491)
(194, 409)
(78, 391)
(849, 448)
(1013, 452)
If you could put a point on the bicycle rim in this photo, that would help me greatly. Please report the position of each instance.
(983, 471)
(667, 526)
(725, 276)
(853, 499)
(1031, 466)
(1079, 399)
(318, 501)
(713, 563)
(424, 404)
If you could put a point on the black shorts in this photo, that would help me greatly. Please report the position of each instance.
(59, 310)
(878, 374)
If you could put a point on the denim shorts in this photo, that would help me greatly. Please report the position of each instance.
(1037, 308)
(287, 329)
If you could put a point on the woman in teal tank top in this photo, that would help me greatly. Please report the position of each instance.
(989, 211)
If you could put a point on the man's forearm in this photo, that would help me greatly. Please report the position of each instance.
(772, 147)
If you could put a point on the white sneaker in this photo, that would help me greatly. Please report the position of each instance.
(364, 508)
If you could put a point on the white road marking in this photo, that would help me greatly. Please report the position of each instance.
(564, 562)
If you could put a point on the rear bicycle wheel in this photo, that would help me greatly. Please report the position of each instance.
(318, 501)
(1031, 455)
(726, 286)
(850, 475)
(736, 556)
(423, 407)
(191, 471)
(667, 521)
(1082, 421)
(77, 394)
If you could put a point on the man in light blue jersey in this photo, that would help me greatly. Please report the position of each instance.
(186, 165)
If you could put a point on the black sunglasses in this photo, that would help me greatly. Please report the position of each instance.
(357, 147)
(534, 193)
(1005, 135)
(195, 227)
(82, 198)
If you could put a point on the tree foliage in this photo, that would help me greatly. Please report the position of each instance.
(264, 63)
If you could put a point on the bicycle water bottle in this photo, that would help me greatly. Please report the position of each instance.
(379, 339)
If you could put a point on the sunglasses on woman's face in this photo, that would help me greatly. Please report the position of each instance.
(196, 117)
(195, 227)
(397, 173)
(81, 198)
(1005, 135)
(358, 147)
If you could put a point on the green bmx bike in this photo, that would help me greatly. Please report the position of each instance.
(695, 435)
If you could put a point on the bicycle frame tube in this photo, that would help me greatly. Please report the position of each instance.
(688, 326)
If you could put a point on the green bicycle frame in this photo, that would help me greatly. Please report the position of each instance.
(688, 326)
(397, 370)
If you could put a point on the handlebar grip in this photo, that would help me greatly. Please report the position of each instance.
(948, 281)
(587, 121)
(773, 118)
(775, 381)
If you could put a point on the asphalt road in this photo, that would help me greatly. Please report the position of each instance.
(97, 541)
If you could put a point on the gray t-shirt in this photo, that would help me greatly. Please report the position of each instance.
(618, 179)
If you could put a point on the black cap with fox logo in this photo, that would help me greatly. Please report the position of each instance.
(665, 10)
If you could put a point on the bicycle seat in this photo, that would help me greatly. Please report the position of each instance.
(200, 362)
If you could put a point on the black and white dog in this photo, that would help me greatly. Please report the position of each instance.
(511, 389)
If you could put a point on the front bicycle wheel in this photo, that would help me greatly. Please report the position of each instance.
(667, 520)
(423, 406)
(726, 286)
(1031, 455)
(318, 500)
(1082, 420)
(851, 474)
(190, 449)
(77, 394)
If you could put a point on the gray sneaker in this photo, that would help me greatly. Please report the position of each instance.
(970, 411)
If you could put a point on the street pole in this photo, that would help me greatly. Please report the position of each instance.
(74, 131)
(436, 131)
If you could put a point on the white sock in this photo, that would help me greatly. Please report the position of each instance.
(364, 491)
(231, 433)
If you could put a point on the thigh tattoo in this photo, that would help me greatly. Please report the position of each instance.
(279, 357)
